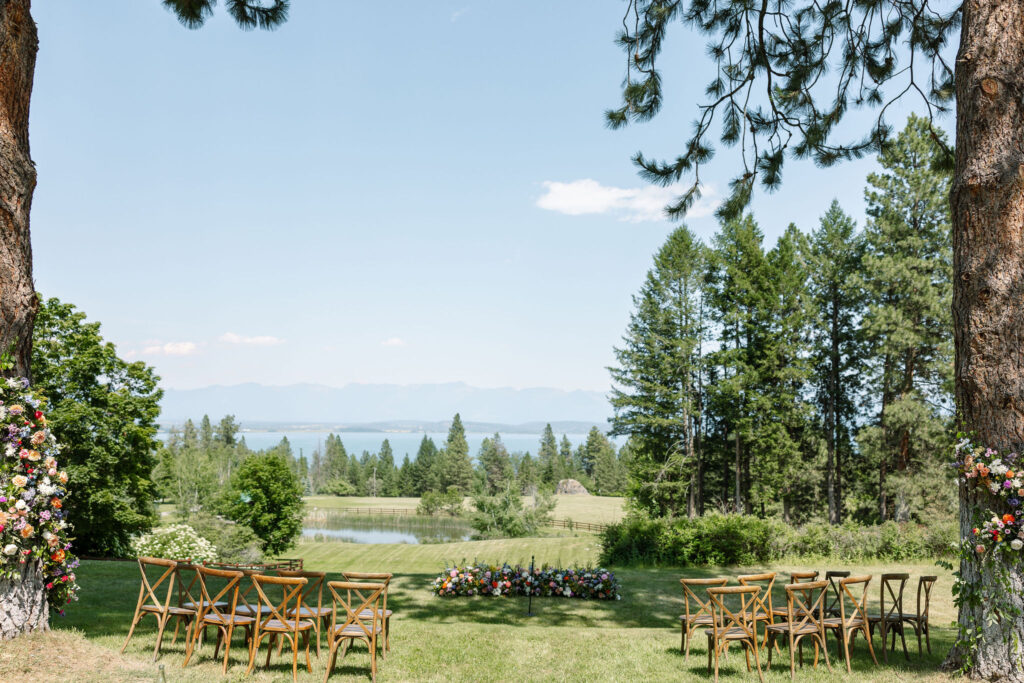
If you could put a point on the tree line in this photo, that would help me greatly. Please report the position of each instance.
(813, 379)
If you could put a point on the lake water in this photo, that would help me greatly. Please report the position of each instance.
(399, 529)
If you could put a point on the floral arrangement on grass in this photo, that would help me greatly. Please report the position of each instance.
(587, 583)
(176, 542)
(1002, 476)
(32, 492)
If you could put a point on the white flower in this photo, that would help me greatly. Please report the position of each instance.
(1017, 544)
(14, 383)
(3, 412)
(994, 488)
(10, 451)
(21, 505)
(10, 549)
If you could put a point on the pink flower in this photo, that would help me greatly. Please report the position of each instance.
(979, 549)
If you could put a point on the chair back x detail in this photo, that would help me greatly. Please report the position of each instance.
(701, 614)
(360, 603)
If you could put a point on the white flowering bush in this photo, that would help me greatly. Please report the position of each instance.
(175, 542)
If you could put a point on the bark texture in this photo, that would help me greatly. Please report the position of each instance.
(988, 286)
(23, 604)
(18, 46)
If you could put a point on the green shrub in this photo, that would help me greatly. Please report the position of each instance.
(504, 516)
(723, 540)
(175, 542)
(340, 487)
(234, 542)
(435, 502)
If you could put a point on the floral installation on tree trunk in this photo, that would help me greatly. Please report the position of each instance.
(33, 530)
(1003, 478)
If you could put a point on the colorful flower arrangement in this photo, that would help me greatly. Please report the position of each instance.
(33, 528)
(1002, 476)
(586, 583)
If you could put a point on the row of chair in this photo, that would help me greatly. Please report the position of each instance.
(223, 598)
(813, 607)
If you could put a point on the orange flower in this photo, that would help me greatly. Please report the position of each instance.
(56, 503)
(1009, 474)
(1007, 519)
(27, 531)
(58, 556)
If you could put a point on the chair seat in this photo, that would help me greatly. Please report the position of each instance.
(354, 630)
(891, 618)
(704, 620)
(784, 613)
(248, 610)
(235, 619)
(286, 625)
(366, 613)
(913, 616)
(796, 628)
(734, 633)
(310, 612)
(176, 611)
(837, 622)
(205, 603)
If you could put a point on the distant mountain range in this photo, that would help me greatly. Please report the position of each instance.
(390, 407)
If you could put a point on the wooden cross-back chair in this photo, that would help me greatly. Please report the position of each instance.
(853, 615)
(701, 615)
(151, 603)
(890, 619)
(385, 613)
(275, 623)
(312, 600)
(186, 577)
(248, 600)
(919, 620)
(780, 612)
(762, 603)
(360, 603)
(733, 626)
(219, 613)
(803, 620)
(835, 594)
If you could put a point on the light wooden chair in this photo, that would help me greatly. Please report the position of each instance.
(275, 624)
(803, 619)
(362, 619)
(733, 626)
(919, 620)
(702, 615)
(248, 601)
(762, 603)
(312, 599)
(379, 577)
(149, 603)
(794, 577)
(890, 619)
(224, 619)
(853, 616)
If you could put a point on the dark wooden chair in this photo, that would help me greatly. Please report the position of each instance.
(890, 619)
(312, 600)
(919, 620)
(803, 620)
(780, 612)
(853, 616)
(360, 603)
(701, 614)
(276, 624)
(733, 625)
(379, 577)
(211, 613)
(835, 594)
(150, 603)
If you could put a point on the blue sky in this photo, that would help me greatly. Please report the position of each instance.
(426, 196)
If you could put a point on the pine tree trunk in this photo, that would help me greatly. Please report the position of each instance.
(23, 604)
(18, 45)
(988, 283)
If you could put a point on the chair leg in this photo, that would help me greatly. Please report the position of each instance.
(824, 651)
(903, 639)
(220, 639)
(295, 655)
(885, 652)
(162, 624)
(190, 643)
(871, 648)
(135, 622)
(270, 647)
(846, 649)
(305, 639)
(927, 635)
(682, 641)
(227, 646)
(253, 647)
(757, 659)
(792, 657)
(332, 654)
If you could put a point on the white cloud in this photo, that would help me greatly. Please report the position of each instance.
(633, 204)
(266, 340)
(184, 348)
(457, 14)
(393, 341)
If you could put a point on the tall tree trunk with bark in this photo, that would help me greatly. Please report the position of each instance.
(23, 605)
(18, 45)
(988, 287)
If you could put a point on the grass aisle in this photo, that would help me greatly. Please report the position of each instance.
(475, 639)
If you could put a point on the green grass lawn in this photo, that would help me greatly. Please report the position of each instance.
(465, 639)
(595, 509)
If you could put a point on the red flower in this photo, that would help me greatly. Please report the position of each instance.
(494, 584)
(38, 414)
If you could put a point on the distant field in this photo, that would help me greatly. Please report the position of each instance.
(595, 509)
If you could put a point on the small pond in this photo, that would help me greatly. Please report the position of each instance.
(373, 529)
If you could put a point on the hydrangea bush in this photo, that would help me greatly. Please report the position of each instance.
(33, 529)
(175, 542)
(587, 583)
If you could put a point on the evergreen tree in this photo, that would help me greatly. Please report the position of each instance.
(426, 468)
(335, 464)
(495, 465)
(406, 479)
(565, 457)
(552, 467)
(386, 470)
(657, 394)
(907, 326)
(456, 467)
(205, 433)
(226, 431)
(527, 475)
(835, 260)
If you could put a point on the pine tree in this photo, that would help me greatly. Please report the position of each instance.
(552, 467)
(456, 467)
(495, 465)
(907, 278)
(386, 470)
(426, 468)
(835, 260)
(527, 475)
(205, 433)
(406, 480)
(335, 464)
(657, 393)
